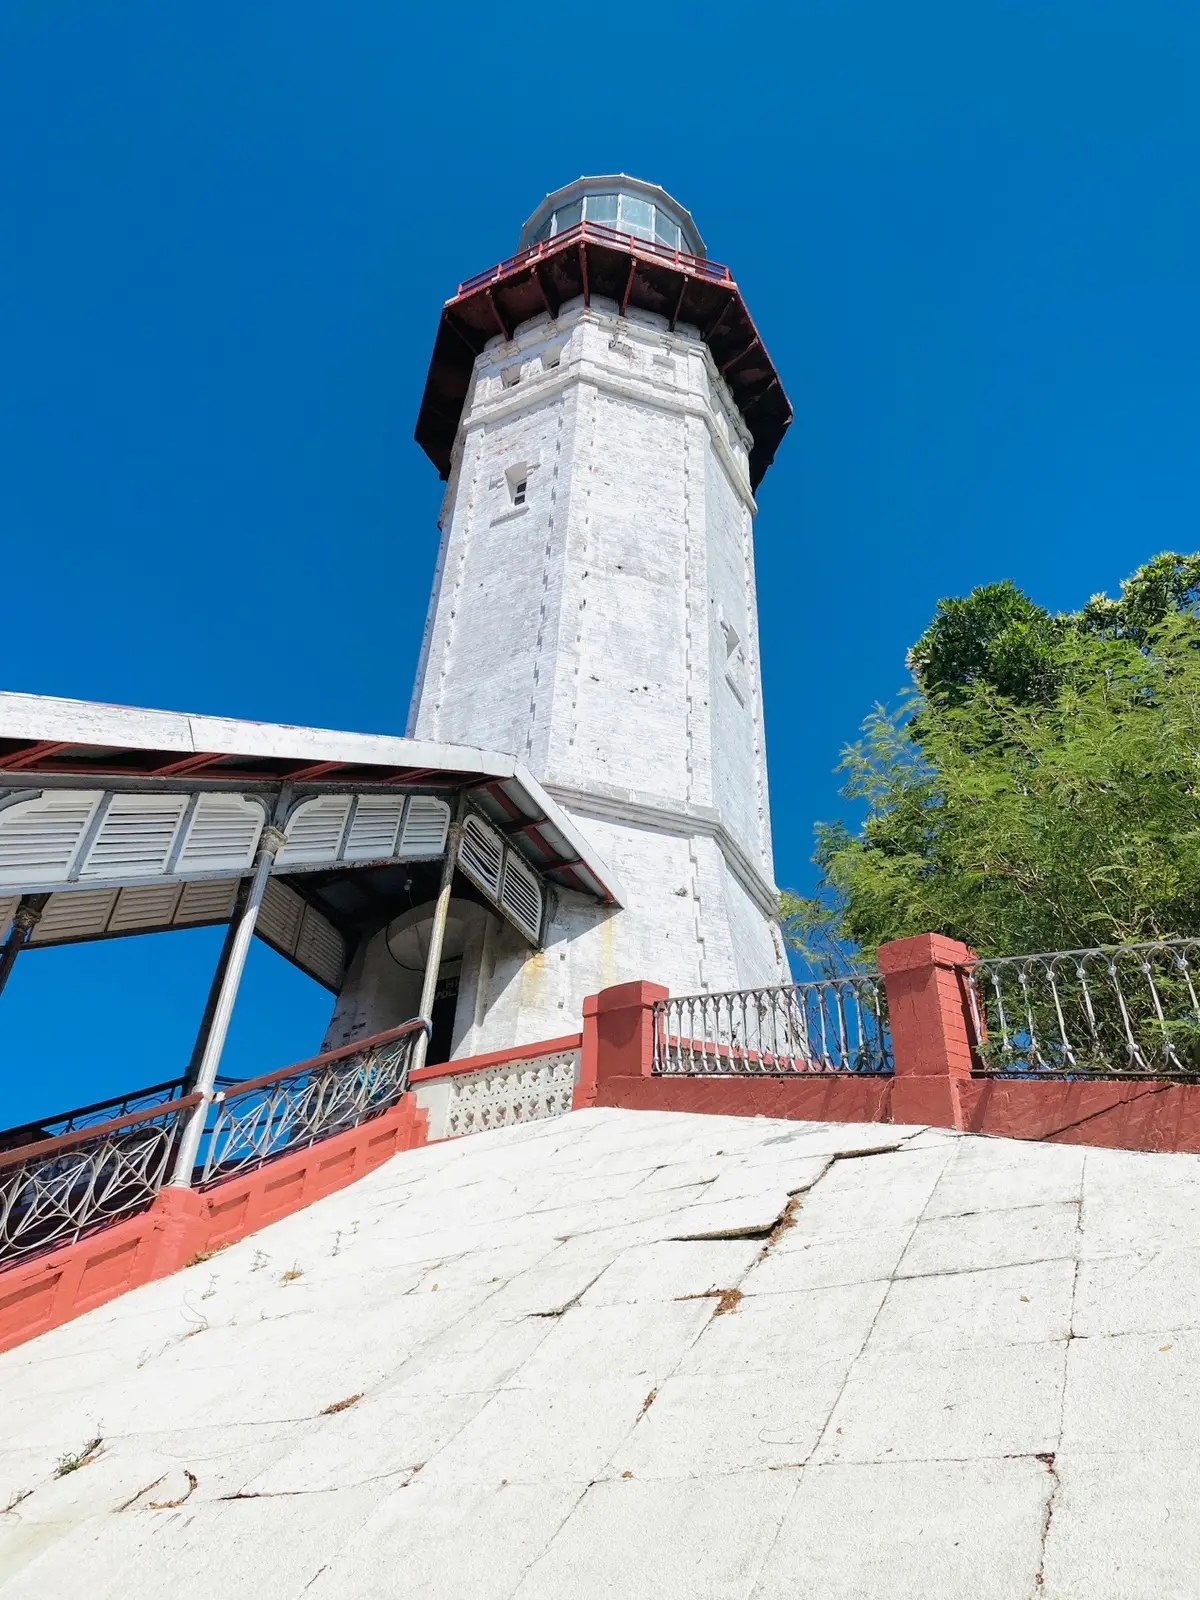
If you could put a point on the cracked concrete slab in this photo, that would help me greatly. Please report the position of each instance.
(937, 1530)
(699, 1539)
(1125, 1533)
(501, 1374)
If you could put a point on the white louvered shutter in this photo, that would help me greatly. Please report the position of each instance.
(314, 831)
(481, 855)
(222, 835)
(75, 914)
(521, 895)
(425, 827)
(320, 949)
(39, 838)
(151, 905)
(280, 916)
(373, 831)
(207, 902)
(135, 837)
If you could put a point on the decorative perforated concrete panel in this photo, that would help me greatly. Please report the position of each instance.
(497, 1097)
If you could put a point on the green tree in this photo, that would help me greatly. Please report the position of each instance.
(1038, 788)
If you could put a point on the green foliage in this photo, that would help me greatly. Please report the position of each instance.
(1040, 789)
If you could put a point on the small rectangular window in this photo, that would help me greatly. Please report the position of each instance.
(510, 376)
(519, 489)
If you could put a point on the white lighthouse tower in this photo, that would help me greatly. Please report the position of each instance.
(603, 410)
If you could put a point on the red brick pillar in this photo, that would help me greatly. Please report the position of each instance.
(929, 1014)
(618, 1039)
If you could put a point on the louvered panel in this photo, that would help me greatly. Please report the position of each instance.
(39, 838)
(320, 949)
(76, 914)
(207, 902)
(481, 855)
(521, 895)
(314, 831)
(222, 835)
(8, 905)
(373, 832)
(425, 827)
(152, 905)
(135, 837)
(280, 916)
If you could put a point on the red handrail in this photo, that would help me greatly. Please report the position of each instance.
(698, 266)
(97, 1130)
(358, 1047)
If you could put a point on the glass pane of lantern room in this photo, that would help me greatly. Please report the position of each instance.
(567, 216)
(665, 231)
(637, 216)
(602, 208)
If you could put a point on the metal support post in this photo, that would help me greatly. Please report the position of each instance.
(25, 919)
(437, 934)
(241, 932)
(214, 993)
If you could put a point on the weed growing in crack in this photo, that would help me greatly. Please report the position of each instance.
(15, 1499)
(294, 1271)
(72, 1463)
(728, 1300)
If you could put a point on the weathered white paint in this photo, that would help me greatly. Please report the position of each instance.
(605, 630)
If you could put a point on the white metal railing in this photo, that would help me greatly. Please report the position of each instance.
(261, 1118)
(1113, 1011)
(54, 1190)
(828, 1025)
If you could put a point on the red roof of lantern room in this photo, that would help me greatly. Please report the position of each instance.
(592, 259)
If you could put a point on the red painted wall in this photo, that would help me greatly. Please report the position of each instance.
(47, 1290)
(50, 1289)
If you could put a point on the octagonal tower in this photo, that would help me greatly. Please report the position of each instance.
(603, 408)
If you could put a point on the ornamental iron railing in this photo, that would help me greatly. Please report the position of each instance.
(1121, 1011)
(828, 1025)
(87, 1116)
(53, 1191)
(261, 1118)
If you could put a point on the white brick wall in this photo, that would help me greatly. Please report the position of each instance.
(606, 632)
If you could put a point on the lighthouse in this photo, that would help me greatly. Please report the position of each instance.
(602, 409)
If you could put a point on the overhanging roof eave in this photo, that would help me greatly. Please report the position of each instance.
(57, 726)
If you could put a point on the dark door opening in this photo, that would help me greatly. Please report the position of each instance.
(445, 1003)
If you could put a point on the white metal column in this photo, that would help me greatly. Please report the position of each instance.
(206, 1073)
(437, 935)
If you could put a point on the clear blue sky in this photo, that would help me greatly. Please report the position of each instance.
(968, 234)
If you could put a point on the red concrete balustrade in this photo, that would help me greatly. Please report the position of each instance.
(928, 1009)
(925, 980)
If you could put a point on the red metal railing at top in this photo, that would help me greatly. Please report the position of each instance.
(597, 233)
